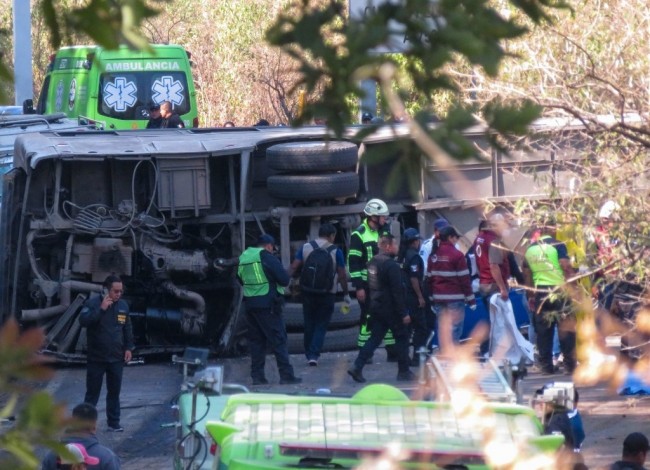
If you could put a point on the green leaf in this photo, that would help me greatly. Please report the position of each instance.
(51, 21)
(511, 118)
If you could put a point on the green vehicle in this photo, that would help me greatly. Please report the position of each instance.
(115, 88)
(280, 431)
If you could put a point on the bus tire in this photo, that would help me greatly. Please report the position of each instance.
(308, 157)
(335, 341)
(294, 319)
(327, 186)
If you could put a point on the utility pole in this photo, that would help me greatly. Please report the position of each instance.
(23, 80)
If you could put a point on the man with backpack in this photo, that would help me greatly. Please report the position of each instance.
(322, 265)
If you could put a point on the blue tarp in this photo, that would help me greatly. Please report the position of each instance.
(633, 385)
(473, 317)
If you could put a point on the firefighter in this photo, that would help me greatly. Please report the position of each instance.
(363, 246)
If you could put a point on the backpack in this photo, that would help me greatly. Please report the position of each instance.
(317, 275)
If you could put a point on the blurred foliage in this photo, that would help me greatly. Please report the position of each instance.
(450, 32)
(108, 23)
(29, 418)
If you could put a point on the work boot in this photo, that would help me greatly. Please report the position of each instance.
(357, 375)
(406, 376)
(260, 381)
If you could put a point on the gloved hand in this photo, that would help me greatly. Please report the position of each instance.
(472, 307)
(347, 301)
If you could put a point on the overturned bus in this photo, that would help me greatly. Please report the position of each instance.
(169, 210)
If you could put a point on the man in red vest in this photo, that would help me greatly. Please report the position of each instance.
(492, 262)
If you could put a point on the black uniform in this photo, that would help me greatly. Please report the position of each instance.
(172, 121)
(558, 421)
(413, 268)
(387, 311)
(110, 335)
(155, 123)
(266, 325)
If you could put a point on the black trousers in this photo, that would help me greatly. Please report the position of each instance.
(94, 378)
(550, 314)
(419, 325)
(380, 324)
(266, 328)
(317, 310)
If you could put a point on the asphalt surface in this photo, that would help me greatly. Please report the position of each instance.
(149, 389)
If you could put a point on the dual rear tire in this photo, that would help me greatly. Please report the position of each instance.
(313, 170)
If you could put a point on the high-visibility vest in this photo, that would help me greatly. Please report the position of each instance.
(366, 251)
(544, 263)
(252, 274)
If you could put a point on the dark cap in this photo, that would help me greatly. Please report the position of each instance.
(447, 232)
(154, 107)
(440, 223)
(266, 239)
(411, 234)
(366, 117)
(634, 443)
(386, 234)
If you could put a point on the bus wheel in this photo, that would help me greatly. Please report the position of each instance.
(307, 157)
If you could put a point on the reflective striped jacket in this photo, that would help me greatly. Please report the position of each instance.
(363, 246)
(448, 276)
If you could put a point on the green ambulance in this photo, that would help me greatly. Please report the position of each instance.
(115, 88)
(274, 431)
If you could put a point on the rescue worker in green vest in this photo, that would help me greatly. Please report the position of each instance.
(547, 266)
(264, 279)
(363, 246)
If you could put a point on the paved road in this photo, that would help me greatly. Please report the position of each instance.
(149, 389)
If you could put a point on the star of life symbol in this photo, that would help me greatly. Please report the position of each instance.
(120, 94)
(167, 89)
(59, 96)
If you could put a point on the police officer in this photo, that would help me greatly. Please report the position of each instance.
(263, 278)
(169, 118)
(155, 119)
(363, 246)
(387, 310)
(546, 267)
(413, 272)
(110, 345)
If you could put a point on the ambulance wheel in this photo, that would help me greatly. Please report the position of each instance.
(307, 157)
(295, 321)
(327, 186)
(335, 341)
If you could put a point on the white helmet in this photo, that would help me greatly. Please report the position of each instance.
(608, 209)
(376, 207)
